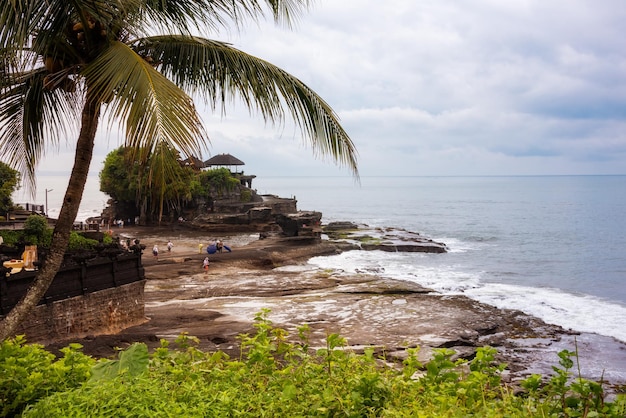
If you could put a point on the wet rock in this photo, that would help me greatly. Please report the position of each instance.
(382, 239)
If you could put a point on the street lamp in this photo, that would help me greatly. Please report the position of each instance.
(47, 190)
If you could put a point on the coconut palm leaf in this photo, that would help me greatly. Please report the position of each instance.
(155, 109)
(190, 14)
(219, 72)
(29, 120)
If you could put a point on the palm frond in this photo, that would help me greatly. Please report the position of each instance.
(214, 14)
(154, 108)
(220, 73)
(17, 20)
(29, 119)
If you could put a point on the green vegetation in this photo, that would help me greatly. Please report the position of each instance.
(37, 232)
(130, 183)
(141, 190)
(217, 182)
(245, 195)
(274, 377)
(9, 183)
(367, 239)
(29, 373)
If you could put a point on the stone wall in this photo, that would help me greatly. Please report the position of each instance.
(98, 294)
(103, 312)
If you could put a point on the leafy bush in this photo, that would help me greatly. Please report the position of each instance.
(35, 226)
(274, 377)
(10, 237)
(245, 195)
(28, 373)
(107, 239)
(79, 242)
(217, 182)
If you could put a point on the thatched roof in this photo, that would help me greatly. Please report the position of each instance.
(194, 162)
(223, 159)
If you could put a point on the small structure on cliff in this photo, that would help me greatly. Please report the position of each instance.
(224, 160)
(229, 161)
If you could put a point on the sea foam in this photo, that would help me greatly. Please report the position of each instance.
(582, 313)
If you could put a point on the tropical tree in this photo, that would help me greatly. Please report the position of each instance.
(66, 64)
(144, 188)
(119, 177)
(9, 182)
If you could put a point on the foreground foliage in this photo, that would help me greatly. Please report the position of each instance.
(37, 232)
(274, 377)
(9, 183)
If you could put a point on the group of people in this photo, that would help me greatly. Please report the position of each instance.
(155, 249)
(217, 246)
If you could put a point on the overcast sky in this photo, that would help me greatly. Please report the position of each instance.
(435, 87)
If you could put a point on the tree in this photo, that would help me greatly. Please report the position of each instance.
(67, 63)
(134, 185)
(9, 182)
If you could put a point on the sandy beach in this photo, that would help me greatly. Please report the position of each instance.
(218, 305)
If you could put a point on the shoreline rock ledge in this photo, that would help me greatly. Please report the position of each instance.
(382, 239)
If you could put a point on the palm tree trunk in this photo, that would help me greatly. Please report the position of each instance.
(64, 224)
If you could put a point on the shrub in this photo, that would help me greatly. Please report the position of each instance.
(274, 377)
(79, 242)
(28, 373)
(246, 195)
(10, 237)
(35, 229)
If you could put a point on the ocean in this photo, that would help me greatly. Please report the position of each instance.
(550, 246)
(51, 190)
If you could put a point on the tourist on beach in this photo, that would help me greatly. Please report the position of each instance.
(155, 252)
(205, 265)
(200, 248)
(219, 245)
(169, 246)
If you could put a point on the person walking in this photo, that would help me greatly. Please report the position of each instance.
(205, 265)
(169, 246)
(155, 252)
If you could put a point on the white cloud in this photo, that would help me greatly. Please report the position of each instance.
(445, 88)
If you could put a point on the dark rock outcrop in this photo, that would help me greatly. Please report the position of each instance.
(382, 239)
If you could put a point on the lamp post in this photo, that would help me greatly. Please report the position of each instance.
(47, 190)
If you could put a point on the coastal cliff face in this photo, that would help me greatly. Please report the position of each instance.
(270, 215)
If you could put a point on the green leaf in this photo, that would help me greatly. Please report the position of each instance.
(133, 361)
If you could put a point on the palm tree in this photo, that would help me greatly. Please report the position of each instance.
(68, 63)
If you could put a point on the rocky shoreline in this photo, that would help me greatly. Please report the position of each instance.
(365, 309)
